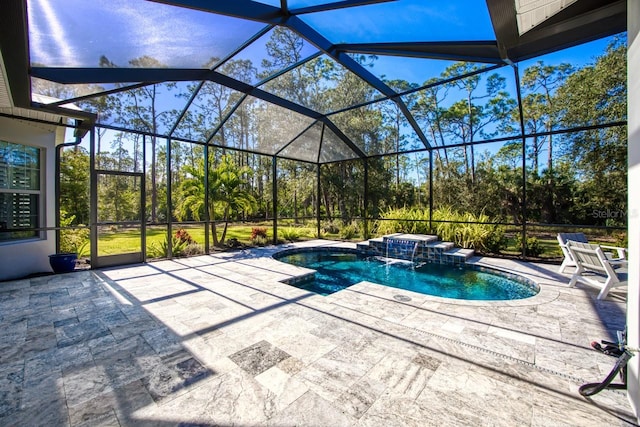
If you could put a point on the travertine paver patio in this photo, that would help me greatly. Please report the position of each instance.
(218, 340)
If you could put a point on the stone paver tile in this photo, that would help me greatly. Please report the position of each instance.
(167, 382)
(285, 388)
(159, 351)
(360, 396)
(311, 410)
(11, 378)
(85, 384)
(392, 410)
(305, 347)
(122, 402)
(234, 398)
(258, 357)
(565, 409)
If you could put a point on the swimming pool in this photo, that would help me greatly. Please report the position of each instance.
(339, 269)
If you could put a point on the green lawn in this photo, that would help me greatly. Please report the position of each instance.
(126, 240)
(550, 248)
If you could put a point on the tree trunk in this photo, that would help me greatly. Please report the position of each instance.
(214, 231)
(536, 153)
(397, 155)
(550, 177)
(466, 161)
(441, 135)
(473, 166)
(344, 214)
(154, 186)
(154, 193)
(327, 206)
(226, 224)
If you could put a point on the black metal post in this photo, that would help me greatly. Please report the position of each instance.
(206, 199)
(143, 200)
(431, 191)
(524, 163)
(93, 199)
(274, 164)
(365, 214)
(318, 204)
(169, 203)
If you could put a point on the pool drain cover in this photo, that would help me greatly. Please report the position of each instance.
(402, 298)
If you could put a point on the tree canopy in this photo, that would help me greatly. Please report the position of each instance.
(571, 177)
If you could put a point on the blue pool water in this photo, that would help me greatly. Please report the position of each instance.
(338, 270)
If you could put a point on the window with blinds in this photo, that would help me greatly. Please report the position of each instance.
(19, 191)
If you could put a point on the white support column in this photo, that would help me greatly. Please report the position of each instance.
(633, 304)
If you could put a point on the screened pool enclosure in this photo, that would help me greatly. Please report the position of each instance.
(344, 119)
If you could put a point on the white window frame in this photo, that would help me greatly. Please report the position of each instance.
(40, 221)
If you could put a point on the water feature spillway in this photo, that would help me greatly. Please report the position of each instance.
(416, 249)
(405, 246)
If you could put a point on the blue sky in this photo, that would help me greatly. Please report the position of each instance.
(61, 34)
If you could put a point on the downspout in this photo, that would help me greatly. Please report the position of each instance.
(58, 157)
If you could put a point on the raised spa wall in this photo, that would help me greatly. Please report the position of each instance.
(419, 248)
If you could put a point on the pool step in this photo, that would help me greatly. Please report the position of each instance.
(457, 256)
(419, 248)
(413, 238)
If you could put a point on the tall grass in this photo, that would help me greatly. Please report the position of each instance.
(404, 220)
(449, 224)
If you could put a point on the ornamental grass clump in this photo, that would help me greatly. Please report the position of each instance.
(161, 250)
(291, 234)
(349, 231)
(404, 220)
(466, 230)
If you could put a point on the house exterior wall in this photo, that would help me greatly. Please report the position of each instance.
(20, 258)
(633, 302)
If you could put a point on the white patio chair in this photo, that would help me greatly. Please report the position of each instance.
(592, 267)
(568, 261)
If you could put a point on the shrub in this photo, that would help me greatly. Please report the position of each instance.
(161, 250)
(258, 232)
(533, 245)
(259, 241)
(75, 240)
(496, 241)
(193, 249)
(349, 231)
(290, 234)
(448, 224)
(184, 237)
(622, 240)
(404, 220)
(331, 227)
(259, 236)
(465, 233)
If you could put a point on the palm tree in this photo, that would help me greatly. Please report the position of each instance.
(231, 191)
(227, 194)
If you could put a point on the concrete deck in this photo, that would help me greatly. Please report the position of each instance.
(218, 340)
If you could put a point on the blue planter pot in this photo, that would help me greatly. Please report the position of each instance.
(63, 263)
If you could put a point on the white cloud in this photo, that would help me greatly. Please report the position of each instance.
(50, 45)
